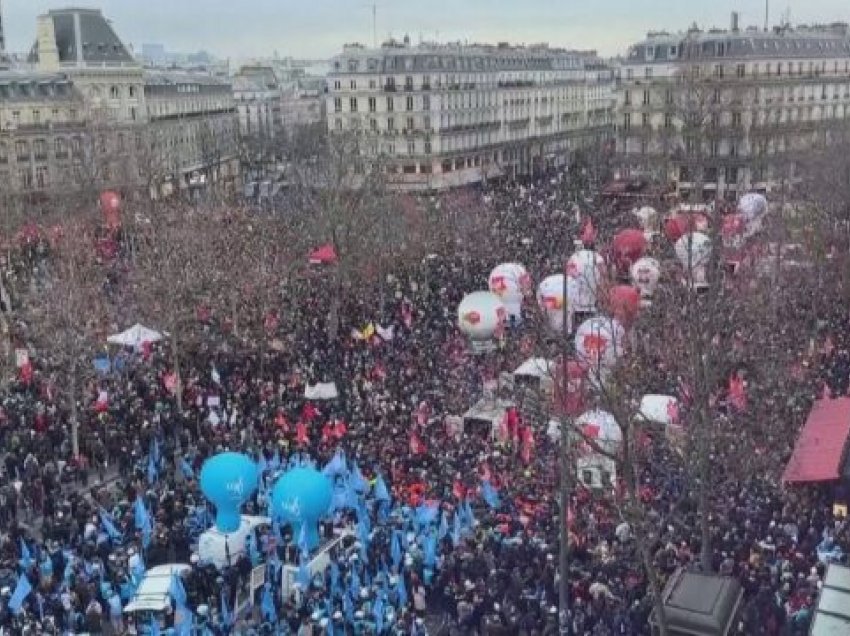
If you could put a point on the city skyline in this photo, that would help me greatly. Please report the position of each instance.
(257, 28)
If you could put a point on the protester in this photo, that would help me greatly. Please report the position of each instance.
(460, 533)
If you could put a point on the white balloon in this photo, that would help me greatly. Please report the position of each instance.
(550, 297)
(585, 272)
(752, 206)
(646, 273)
(659, 409)
(646, 216)
(601, 427)
(481, 315)
(599, 343)
(510, 282)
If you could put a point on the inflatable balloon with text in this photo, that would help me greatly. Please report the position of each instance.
(300, 498)
(228, 480)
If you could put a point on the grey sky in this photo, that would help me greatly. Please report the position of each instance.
(318, 28)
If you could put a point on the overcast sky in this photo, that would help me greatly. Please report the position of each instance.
(318, 28)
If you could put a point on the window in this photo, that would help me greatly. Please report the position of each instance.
(114, 92)
(736, 120)
(410, 125)
(390, 123)
(409, 103)
(133, 91)
(353, 104)
(41, 176)
(627, 121)
(16, 117)
(353, 85)
(121, 142)
(718, 70)
(408, 83)
(427, 147)
(627, 98)
(426, 122)
(22, 150)
(4, 153)
(337, 85)
(36, 116)
(668, 96)
(337, 104)
(338, 124)
(60, 148)
(646, 98)
(715, 148)
(40, 149)
(372, 84)
(373, 104)
(25, 178)
(668, 120)
(373, 124)
(644, 120)
(426, 102)
(647, 72)
(740, 70)
(411, 148)
(390, 104)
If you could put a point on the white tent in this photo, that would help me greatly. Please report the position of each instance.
(135, 336)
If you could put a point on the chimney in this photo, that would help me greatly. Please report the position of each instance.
(48, 54)
(734, 22)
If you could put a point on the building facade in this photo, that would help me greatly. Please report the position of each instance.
(720, 112)
(440, 116)
(92, 117)
(258, 101)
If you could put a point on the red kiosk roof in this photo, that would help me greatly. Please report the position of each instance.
(819, 450)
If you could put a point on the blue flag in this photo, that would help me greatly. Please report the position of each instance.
(186, 469)
(456, 528)
(109, 526)
(267, 604)
(143, 521)
(382, 493)
(22, 590)
(444, 526)
(226, 616)
(395, 550)
(154, 626)
(401, 591)
(490, 496)
(336, 466)
(378, 612)
(26, 555)
(153, 471)
(183, 619)
(427, 513)
(430, 550)
(176, 590)
(358, 482)
(101, 364)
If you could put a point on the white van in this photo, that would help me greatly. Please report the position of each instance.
(152, 599)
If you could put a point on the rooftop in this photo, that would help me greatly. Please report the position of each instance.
(85, 37)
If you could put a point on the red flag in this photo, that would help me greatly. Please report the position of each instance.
(309, 412)
(527, 445)
(417, 446)
(146, 350)
(301, 436)
(26, 372)
(458, 490)
(737, 392)
(340, 429)
(588, 232)
(327, 432)
(102, 403)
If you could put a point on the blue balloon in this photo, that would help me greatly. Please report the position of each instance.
(301, 497)
(228, 480)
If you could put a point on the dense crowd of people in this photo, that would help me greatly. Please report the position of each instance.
(431, 553)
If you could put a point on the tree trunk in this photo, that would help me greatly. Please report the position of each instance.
(72, 396)
(175, 360)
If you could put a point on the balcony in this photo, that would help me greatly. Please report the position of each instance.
(389, 88)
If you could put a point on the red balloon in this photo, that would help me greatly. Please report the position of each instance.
(627, 247)
(733, 224)
(677, 226)
(624, 303)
